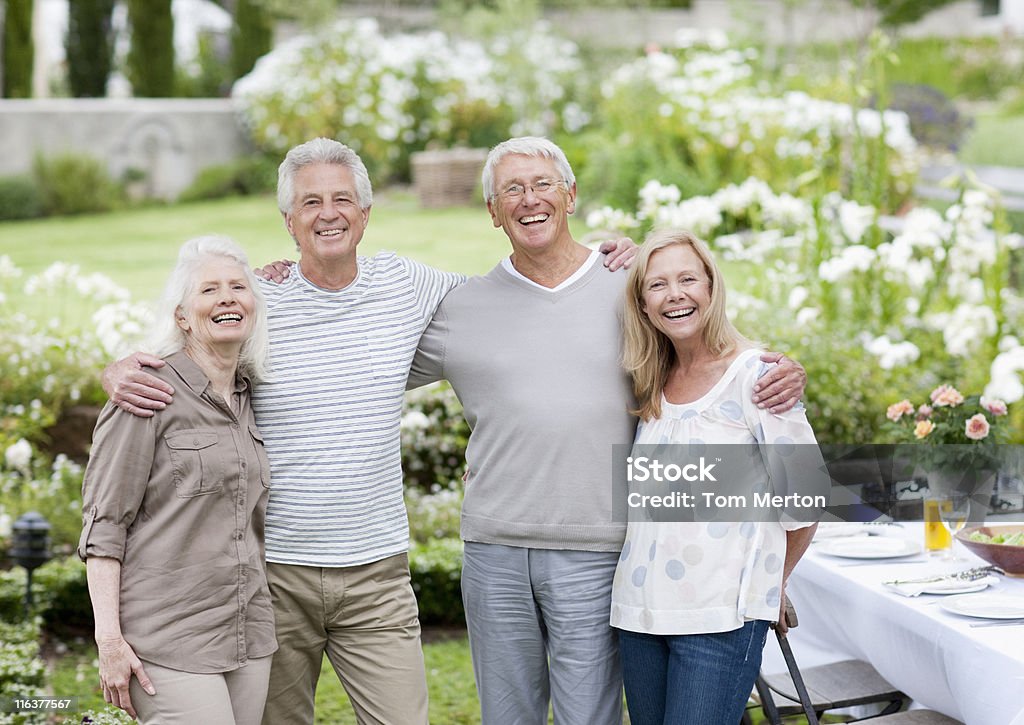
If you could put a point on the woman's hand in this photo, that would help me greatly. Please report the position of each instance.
(118, 662)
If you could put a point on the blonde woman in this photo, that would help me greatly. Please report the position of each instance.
(693, 601)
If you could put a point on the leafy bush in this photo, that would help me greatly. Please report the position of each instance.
(249, 175)
(434, 438)
(934, 120)
(73, 184)
(60, 596)
(387, 96)
(695, 118)
(19, 198)
(434, 515)
(436, 569)
(67, 607)
(22, 671)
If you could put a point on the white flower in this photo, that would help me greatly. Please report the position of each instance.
(1004, 376)
(415, 420)
(891, 354)
(18, 455)
(797, 295)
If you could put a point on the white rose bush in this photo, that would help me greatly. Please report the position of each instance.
(389, 95)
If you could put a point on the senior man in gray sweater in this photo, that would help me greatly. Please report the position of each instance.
(532, 350)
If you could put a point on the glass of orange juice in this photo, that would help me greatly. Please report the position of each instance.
(936, 535)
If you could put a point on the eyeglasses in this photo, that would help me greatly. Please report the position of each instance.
(514, 192)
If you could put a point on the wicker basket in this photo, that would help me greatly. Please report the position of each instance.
(447, 178)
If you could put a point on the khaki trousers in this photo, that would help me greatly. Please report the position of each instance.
(366, 620)
(188, 698)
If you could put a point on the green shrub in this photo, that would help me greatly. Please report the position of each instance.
(66, 604)
(22, 671)
(19, 198)
(250, 175)
(60, 596)
(73, 184)
(934, 119)
(434, 438)
(436, 569)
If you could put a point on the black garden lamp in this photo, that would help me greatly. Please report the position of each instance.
(30, 548)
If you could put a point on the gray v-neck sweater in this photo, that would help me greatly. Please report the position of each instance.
(538, 373)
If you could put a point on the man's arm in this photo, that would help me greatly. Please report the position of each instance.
(276, 272)
(132, 389)
(780, 388)
(618, 252)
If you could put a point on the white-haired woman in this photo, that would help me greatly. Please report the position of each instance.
(173, 511)
(693, 601)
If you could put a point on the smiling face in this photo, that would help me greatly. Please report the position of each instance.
(219, 310)
(533, 221)
(326, 220)
(676, 293)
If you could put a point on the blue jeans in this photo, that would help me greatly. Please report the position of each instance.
(538, 630)
(691, 679)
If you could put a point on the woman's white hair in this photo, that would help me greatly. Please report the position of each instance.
(168, 338)
(536, 146)
(321, 151)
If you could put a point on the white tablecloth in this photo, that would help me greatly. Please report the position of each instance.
(975, 675)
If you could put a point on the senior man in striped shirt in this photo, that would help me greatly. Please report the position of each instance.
(343, 332)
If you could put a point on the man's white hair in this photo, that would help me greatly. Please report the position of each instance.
(321, 151)
(535, 146)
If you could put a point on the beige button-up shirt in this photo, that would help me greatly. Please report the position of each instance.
(179, 499)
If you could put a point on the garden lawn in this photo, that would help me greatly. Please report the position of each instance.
(995, 140)
(137, 247)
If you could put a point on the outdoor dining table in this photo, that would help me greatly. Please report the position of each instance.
(973, 674)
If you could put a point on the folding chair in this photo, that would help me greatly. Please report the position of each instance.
(827, 687)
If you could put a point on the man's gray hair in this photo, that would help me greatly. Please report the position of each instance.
(168, 338)
(535, 146)
(321, 151)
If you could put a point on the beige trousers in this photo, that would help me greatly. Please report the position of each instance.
(188, 698)
(366, 620)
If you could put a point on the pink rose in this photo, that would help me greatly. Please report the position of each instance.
(995, 406)
(923, 428)
(977, 427)
(947, 395)
(924, 412)
(898, 410)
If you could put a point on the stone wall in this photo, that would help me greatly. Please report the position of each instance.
(773, 21)
(168, 140)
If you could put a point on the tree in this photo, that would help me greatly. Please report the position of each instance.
(88, 47)
(151, 55)
(902, 12)
(251, 36)
(17, 49)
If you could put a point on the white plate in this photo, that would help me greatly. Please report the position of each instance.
(986, 606)
(840, 530)
(955, 586)
(869, 547)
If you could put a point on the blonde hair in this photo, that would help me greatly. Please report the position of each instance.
(648, 355)
(167, 337)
